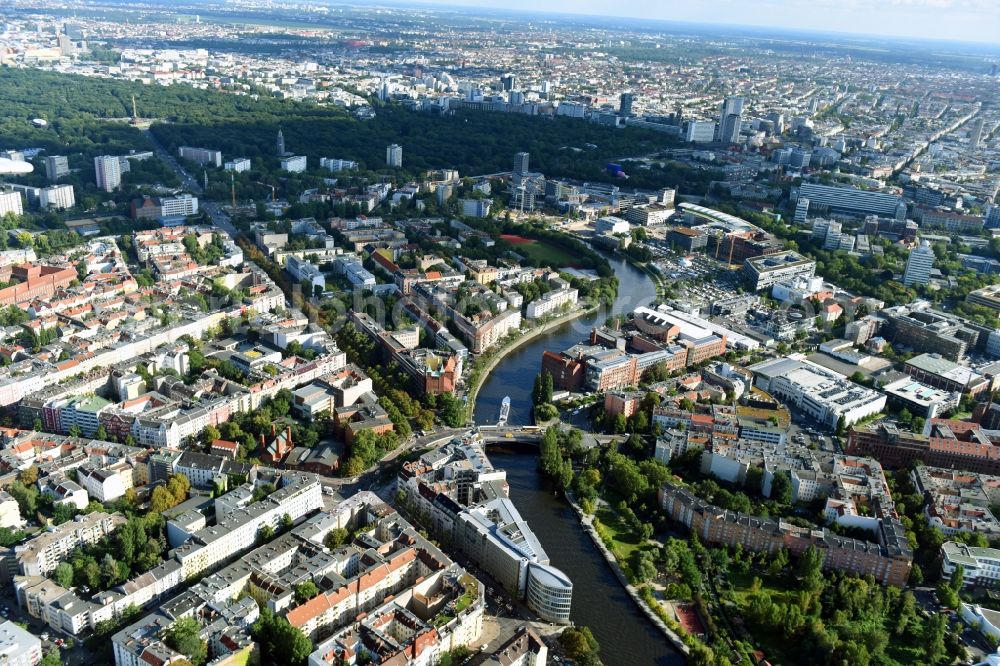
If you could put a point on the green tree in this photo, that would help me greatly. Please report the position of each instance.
(305, 591)
(580, 645)
(184, 636)
(957, 578)
(642, 565)
(63, 575)
(336, 537)
(51, 658)
(280, 642)
(781, 487)
(810, 569)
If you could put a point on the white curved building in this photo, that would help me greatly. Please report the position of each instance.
(549, 592)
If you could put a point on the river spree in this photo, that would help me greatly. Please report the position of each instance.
(626, 636)
(515, 374)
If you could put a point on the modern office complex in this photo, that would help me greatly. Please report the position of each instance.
(823, 394)
(760, 273)
(853, 201)
(923, 329)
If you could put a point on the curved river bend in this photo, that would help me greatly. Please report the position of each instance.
(599, 602)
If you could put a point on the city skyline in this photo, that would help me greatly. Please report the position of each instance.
(971, 21)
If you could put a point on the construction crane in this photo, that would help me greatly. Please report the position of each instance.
(266, 185)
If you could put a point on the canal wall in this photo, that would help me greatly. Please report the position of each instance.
(587, 522)
(500, 354)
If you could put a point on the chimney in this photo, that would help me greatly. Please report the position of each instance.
(288, 436)
(272, 430)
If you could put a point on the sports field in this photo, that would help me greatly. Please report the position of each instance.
(541, 251)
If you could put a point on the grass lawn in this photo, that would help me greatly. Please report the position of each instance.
(544, 253)
(624, 542)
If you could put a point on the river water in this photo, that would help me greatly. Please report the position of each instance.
(515, 375)
(626, 636)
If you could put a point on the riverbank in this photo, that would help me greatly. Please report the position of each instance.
(654, 276)
(587, 523)
(500, 354)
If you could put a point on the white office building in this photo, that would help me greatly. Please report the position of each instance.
(854, 201)
(108, 172)
(335, 165)
(919, 265)
(611, 225)
(201, 155)
(761, 273)
(303, 271)
(823, 394)
(179, 206)
(358, 275)
(700, 131)
(10, 202)
(294, 164)
(239, 165)
(57, 196)
(982, 565)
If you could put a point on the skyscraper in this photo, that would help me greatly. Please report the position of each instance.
(281, 144)
(730, 120)
(625, 104)
(976, 133)
(919, 265)
(508, 82)
(521, 164)
(108, 172)
(394, 155)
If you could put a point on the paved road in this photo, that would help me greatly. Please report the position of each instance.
(186, 179)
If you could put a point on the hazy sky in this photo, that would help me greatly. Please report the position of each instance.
(965, 20)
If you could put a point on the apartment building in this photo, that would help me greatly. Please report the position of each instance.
(42, 554)
(18, 646)
(889, 560)
(960, 445)
(981, 565)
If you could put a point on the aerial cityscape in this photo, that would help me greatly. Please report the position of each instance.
(453, 333)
